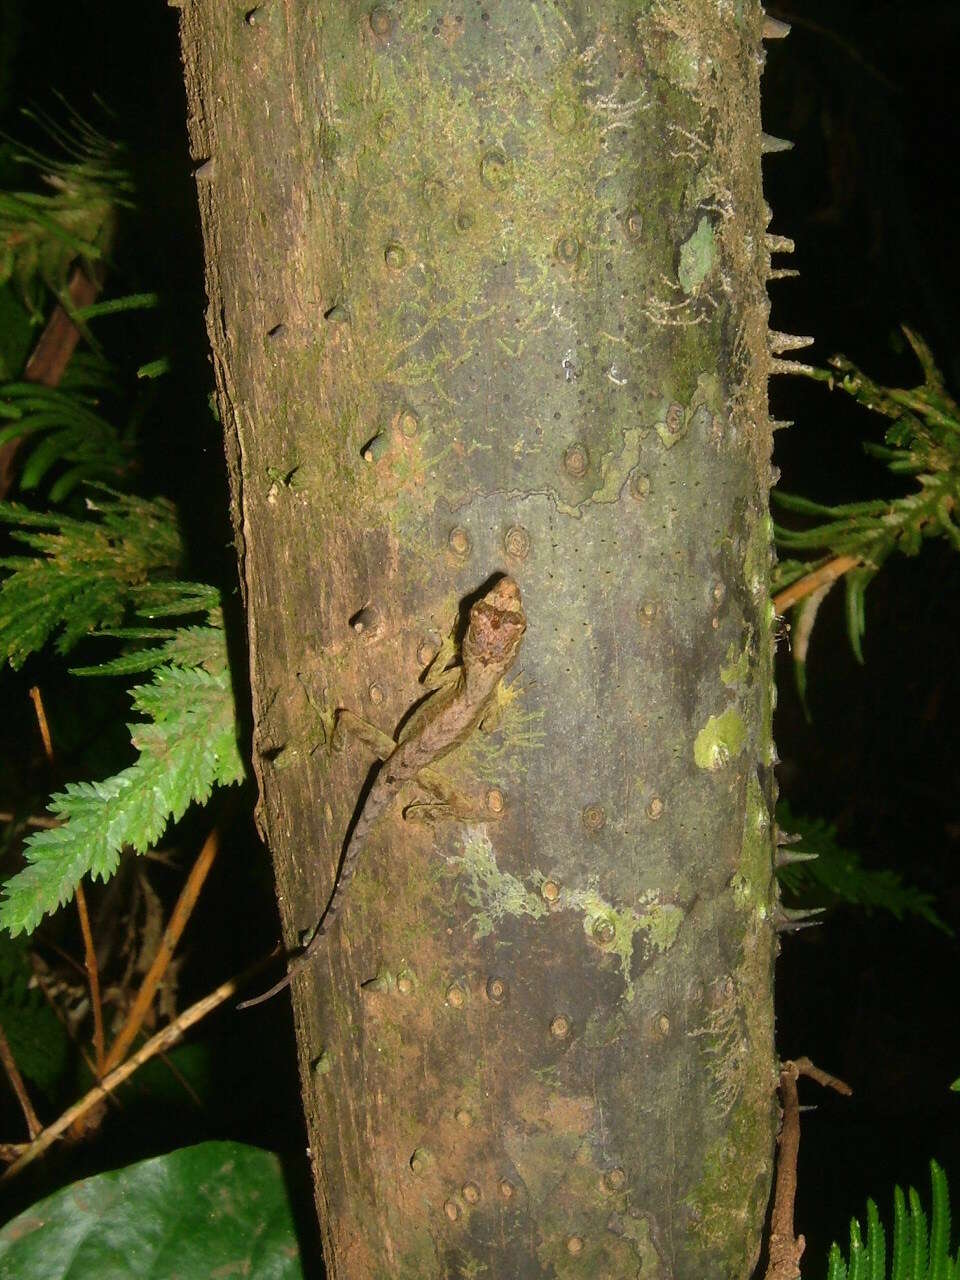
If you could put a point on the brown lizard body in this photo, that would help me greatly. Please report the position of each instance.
(442, 723)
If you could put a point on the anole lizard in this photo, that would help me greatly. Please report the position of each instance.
(441, 723)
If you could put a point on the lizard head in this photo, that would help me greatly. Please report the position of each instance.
(496, 626)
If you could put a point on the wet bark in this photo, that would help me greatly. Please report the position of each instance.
(487, 296)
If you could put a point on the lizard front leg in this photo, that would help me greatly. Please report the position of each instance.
(455, 802)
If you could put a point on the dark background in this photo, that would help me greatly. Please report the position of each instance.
(868, 92)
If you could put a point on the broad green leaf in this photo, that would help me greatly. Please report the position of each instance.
(217, 1209)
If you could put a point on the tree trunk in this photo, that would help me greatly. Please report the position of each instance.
(487, 297)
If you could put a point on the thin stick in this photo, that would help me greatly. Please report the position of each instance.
(164, 1039)
(58, 1013)
(786, 1248)
(93, 978)
(32, 820)
(19, 1088)
(89, 951)
(805, 586)
(37, 701)
(168, 943)
(806, 1068)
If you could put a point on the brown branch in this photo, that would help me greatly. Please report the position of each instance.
(170, 1035)
(32, 820)
(823, 577)
(786, 1248)
(171, 936)
(806, 1068)
(93, 978)
(44, 727)
(58, 1013)
(50, 358)
(19, 1088)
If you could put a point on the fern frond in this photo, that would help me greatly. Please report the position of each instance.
(88, 573)
(837, 874)
(174, 599)
(73, 434)
(876, 1246)
(917, 1262)
(939, 1223)
(923, 442)
(916, 1255)
(43, 233)
(188, 745)
(901, 1234)
(836, 1265)
(184, 647)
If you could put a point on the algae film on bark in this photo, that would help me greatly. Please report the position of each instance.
(488, 300)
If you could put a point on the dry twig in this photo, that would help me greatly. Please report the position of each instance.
(786, 1248)
(164, 1039)
(823, 577)
(19, 1088)
(171, 936)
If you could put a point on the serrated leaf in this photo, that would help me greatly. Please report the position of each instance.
(918, 1237)
(88, 572)
(911, 1257)
(855, 582)
(838, 874)
(805, 615)
(939, 1223)
(175, 599)
(185, 647)
(876, 1245)
(923, 441)
(901, 1233)
(837, 1267)
(190, 746)
(219, 1208)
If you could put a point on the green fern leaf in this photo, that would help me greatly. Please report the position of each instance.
(876, 1257)
(174, 599)
(189, 745)
(856, 584)
(88, 572)
(911, 1257)
(836, 1264)
(42, 234)
(901, 1235)
(939, 1224)
(923, 442)
(75, 433)
(186, 647)
(857, 1268)
(917, 1261)
(838, 874)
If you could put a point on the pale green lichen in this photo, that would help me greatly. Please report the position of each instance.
(738, 664)
(660, 922)
(495, 894)
(721, 739)
(697, 256)
(616, 468)
(491, 892)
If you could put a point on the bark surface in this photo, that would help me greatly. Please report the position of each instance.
(487, 297)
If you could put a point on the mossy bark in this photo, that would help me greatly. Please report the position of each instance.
(487, 296)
